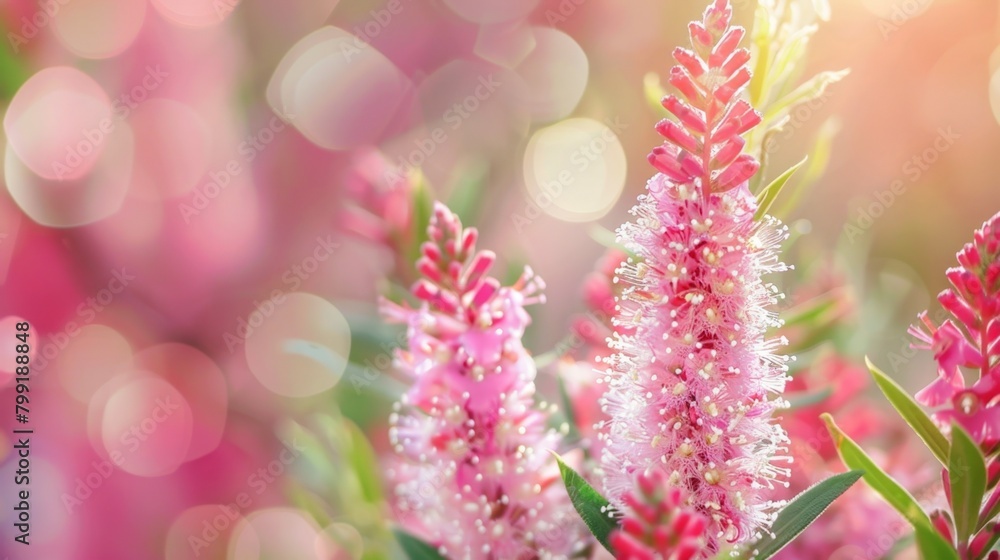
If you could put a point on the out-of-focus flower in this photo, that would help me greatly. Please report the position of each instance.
(859, 518)
(659, 524)
(475, 477)
(690, 392)
(971, 339)
(382, 205)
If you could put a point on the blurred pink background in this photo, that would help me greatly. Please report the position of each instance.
(177, 226)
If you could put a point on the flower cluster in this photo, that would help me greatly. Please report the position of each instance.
(658, 524)
(691, 390)
(475, 478)
(969, 340)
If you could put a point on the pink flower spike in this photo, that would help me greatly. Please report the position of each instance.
(657, 523)
(726, 91)
(968, 344)
(690, 61)
(699, 35)
(735, 62)
(740, 170)
(728, 152)
(684, 113)
(473, 474)
(684, 84)
(726, 46)
(676, 135)
(692, 383)
(667, 163)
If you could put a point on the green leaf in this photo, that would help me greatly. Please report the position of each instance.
(423, 208)
(932, 546)
(819, 158)
(567, 403)
(912, 413)
(855, 458)
(802, 511)
(967, 474)
(592, 507)
(803, 399)
(812, 88)
(466, 195)
(767, 195)
(415, 548)
(362, 459)
(811, 311)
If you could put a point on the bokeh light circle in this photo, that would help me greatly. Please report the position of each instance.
(98, 28)
(575, 170)
(556, 72)
(93, 355)
(196, 13)
(491, 11)
(149, 424)
(82, 200)
(337, 90)
(58, 123)
(202, 384)
(201, 532)
(299, 346)
(279, 533)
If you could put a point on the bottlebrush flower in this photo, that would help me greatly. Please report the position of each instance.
(476, 478)
(971, 339)
(690, 392)
(658, 525)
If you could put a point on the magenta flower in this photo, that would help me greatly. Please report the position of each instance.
(475, 478)
(691, 391)
(658, 525)
(971, 340)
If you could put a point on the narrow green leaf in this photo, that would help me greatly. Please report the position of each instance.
(592, 507)
(767, 195)
(802, 511)
(912, 413)
(422, 208)
(362, 459)
(932, 545)
(415, 548)
(812, 310)
(467, 194)
(819, 158)
(803, 399)
(567, 403)
(855, 458)
(812, 88)
(967, 474)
